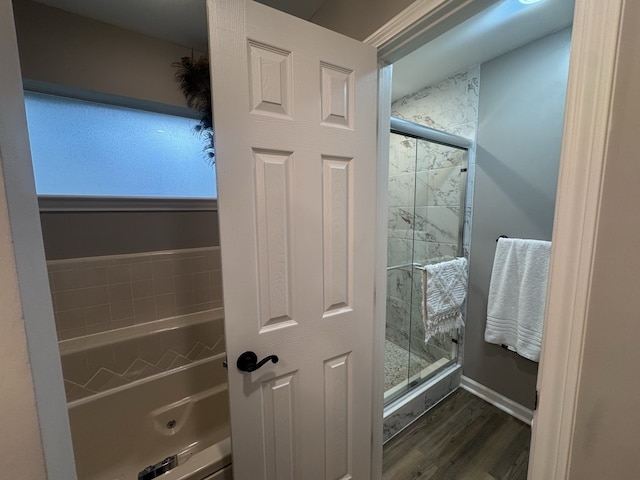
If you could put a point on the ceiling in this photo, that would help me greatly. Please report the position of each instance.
(503, 27)
(499, 29)
(180, 21)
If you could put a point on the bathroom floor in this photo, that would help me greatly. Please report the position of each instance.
(461, 438)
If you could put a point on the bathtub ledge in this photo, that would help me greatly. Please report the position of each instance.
(204, 463)
(87, 342)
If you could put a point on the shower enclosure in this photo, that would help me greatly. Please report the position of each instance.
(427, 187)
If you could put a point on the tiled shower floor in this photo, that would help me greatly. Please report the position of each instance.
(397, 363)
(399, 371)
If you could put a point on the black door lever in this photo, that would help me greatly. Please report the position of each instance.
(248, 361)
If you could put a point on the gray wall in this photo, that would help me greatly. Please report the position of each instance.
(89, 234)
(521, 114)
(67, 49)
(357, 18)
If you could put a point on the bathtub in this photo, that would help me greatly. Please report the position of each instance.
(184, 412)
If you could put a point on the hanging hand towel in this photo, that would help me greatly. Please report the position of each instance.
(444, 289)
(517, 292)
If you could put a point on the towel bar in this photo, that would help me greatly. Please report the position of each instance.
(414, 265)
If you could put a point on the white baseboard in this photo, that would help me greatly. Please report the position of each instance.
(500, 401)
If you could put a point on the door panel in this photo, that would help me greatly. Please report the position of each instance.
(295, 124)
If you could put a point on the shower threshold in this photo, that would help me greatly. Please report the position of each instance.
(394, 391)
(406, 409)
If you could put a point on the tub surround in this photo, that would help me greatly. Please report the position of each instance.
(122, 318)
(111, 337)
(102, 362)
(97, 294)
(183, 412)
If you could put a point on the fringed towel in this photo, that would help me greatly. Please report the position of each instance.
(517, 293)
(444, 289)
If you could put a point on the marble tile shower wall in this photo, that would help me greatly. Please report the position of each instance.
(97, 294)
(424, 200)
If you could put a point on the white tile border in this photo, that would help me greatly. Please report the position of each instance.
(497, 400)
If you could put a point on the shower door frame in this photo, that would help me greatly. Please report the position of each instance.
(420, 132)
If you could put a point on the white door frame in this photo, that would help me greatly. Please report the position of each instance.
(31, 280)
(382, 187)
(594, 48)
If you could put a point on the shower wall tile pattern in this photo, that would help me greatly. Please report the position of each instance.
(446, 105)
(97, 294)
(424, 200)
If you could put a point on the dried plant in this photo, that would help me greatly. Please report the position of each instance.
(193, 76)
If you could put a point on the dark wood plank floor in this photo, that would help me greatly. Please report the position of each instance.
(462, 438)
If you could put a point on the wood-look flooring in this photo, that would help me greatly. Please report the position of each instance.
(462, 438)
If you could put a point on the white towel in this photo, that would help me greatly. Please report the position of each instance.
(444, 289)
(517, 293)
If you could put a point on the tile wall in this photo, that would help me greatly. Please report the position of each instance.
(451, 105)
(100, 304)
(424, 201)
(97, 294)
(93, 370)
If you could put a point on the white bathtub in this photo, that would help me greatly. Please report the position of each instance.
(184, 412)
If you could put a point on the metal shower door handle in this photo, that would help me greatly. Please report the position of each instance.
(248, 361)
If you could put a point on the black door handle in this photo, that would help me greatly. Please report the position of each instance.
(248, 361)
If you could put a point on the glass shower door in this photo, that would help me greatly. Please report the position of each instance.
(402, 183)
(427, 184)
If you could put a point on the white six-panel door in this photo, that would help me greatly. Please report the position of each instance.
(295, 123)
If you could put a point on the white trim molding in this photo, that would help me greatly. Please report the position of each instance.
(59, 90)
(81, 203)
(505, 404)
(384, 115)
(26, 305)
(592, 70)
(420, 22)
